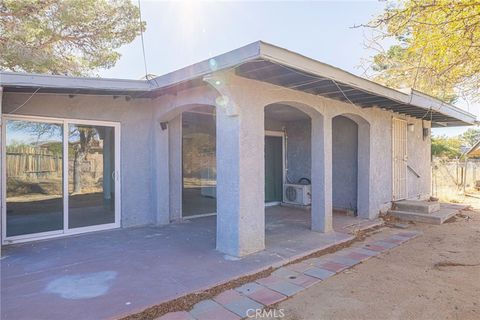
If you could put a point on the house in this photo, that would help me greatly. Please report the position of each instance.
(256, 126)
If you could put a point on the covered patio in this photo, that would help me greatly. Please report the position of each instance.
(113, 273)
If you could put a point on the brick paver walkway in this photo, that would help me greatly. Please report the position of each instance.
(285, 282)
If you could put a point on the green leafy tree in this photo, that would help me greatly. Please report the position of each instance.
(470, 137)
(446, 147)
(437, 50)
(69, 37)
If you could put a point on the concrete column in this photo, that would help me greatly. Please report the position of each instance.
(322, 174)
(176, 167)
(162, 176)
(240, 181)
(365, 206)
(1, 168)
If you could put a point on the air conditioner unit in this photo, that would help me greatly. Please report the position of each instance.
(299, 194)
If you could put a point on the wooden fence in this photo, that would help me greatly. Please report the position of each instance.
(31, 162)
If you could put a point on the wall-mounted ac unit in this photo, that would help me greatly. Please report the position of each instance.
(299, 194)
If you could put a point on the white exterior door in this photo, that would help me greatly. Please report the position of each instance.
(399, 158)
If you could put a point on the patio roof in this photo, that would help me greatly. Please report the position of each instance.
(262, 62)
(474, 151)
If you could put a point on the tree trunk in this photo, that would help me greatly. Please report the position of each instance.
(77, 171)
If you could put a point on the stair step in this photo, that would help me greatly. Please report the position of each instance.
(417, 206)
(438, 217)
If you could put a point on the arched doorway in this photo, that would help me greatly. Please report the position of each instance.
(294, 164)
(350, 164)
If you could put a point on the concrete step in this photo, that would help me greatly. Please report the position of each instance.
(416, 206)
(438, 217)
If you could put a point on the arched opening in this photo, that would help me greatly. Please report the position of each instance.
(199, 175)
(294, 189)
(287, 150)
(350, 165)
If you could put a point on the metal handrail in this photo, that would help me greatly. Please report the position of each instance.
(413, 171)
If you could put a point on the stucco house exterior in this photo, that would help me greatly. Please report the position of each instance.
(256, 126)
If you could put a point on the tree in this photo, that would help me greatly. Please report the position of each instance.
(70, 37)
(437, 50)
(446, 147)
(470, 137)
(85, 138)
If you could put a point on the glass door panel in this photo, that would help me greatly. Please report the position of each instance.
(34, 171)
(91, 178)
(199, 163)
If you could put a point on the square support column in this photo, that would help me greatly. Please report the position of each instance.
(168, 168)
(240, 182)
(176, 167)
(1, 167)
(322, 174)
(162, 175)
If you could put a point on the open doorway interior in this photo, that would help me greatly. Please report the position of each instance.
(199, 167)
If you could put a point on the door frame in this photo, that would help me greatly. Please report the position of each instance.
(394, 119)
(273, 133)
(65, 122)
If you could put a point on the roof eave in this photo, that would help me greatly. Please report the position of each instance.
(415, 98)
(221, 62)
(28, 80)
(427, 102)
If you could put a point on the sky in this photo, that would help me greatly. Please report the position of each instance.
(182, 33)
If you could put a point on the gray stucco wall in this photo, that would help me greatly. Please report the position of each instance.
(139, 163)
(135, 118)
(344, 163)
(299, 150)
(298, 147)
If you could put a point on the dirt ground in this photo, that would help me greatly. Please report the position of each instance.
(434, 276)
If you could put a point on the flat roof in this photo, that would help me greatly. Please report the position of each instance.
(262, 62)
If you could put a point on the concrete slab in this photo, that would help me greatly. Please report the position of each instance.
(114, 273)
(319, 273)
(446, 212)
(304, 280)
(417, 206)
(267, 296)
(285, 287)
(349, 224)
(332, 266)
(261, 293)
(299, 267)
(179, 315)
(239, 304)
(211, 310)
(343, 260)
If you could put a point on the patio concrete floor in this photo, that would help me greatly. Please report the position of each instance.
(109, 274)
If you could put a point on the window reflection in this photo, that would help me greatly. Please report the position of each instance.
(199, 162)
(34, 167)
(91, 183)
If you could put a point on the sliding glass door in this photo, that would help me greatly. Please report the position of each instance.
(60, 177)
(91, 175)
(34, 171)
